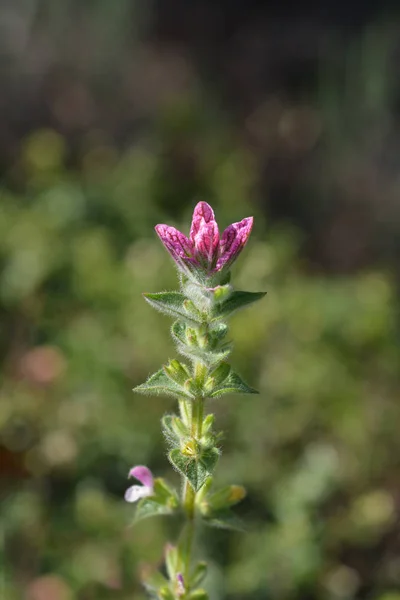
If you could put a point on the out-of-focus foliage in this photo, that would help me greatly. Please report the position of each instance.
(104, 134)
(318, 449)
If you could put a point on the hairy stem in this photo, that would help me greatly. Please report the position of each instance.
(189, 495)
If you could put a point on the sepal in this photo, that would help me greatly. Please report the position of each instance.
(234, 302)
(233, 384)
(195, 469)
(160, 383)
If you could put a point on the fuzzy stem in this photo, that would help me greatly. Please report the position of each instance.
(189, 495)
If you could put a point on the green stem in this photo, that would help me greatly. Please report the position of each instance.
(189, 495)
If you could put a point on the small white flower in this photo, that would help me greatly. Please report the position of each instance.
(135, 492)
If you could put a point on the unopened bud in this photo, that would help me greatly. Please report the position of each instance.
(208, 423)
(217, 376)
(179, 427)
(222, 292)
(171, 560)
(226, 497)
(176, 371)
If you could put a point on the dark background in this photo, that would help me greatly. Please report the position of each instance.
(115, 116)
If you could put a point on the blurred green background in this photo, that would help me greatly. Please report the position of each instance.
(116, 116)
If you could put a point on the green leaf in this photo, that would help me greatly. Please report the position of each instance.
(165, 495)
(224, 519)
(199, 574)
(148, 507)
(233, 384)
(154, 581)
(172, 303)
(195, 469)
(236, 301)
(198, 595)
(160, 383)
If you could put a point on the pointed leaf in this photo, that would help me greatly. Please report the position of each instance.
(154, 581)
(233, 384)
(160, 383)
(224, 519)
(196, 470)
(172, 303)
(236, 301)
(148, 507)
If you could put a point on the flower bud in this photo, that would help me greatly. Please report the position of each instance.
(179, 427)
(222, 292)
(171, 560)
(208, 423)
(226, 497)
(176, 371)
(217, 377)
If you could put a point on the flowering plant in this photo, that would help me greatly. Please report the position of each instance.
(200, 308)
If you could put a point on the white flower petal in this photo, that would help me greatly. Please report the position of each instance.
(135, 492)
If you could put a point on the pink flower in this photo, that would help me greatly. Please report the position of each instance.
(204, 251)
(135, 492)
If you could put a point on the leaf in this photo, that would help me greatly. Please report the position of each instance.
(236, 301)
(164, 494)
(224, 519)
(154, 581)
(172, 303)
(148, 507)
(160, 383)
(195, 469)
(233, 384)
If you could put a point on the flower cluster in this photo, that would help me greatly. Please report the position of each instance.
(205, 252)
(200, 309)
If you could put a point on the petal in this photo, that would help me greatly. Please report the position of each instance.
(142, 474)
(203, 213)
(233, 241)
(136, 492)
(206, 242)
(175, 242)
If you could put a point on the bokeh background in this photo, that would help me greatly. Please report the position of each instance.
(115, 116)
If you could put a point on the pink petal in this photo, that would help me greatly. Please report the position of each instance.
(233, 241)
(142, 474)
(175, 242)
(206, 242)
(203, 213)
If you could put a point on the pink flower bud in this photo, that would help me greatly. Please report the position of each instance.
(203, 252)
